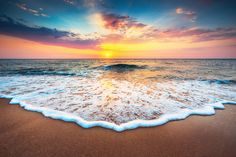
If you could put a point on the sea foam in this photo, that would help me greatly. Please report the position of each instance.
(113, 103)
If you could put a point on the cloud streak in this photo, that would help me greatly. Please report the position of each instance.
(71, 2)
(35, 12)
(88, 4)
(200, 34)
(44, 35)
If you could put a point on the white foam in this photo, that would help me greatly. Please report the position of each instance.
(115, 104)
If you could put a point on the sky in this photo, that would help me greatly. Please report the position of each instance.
(117, 29)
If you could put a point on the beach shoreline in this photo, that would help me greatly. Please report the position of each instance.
(26, 133)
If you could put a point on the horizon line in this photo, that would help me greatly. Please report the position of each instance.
(116, 58)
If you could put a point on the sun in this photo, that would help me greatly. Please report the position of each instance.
(107, 54)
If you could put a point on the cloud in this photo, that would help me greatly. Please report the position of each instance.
(190, 15)
(36, 12)
(119, 22)
(88, 4)
(44, 35)
(70, 1)
(133, 31)
(213, 34)
(124, 26)
(196, 34)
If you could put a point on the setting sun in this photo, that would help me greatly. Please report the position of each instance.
(107, 54)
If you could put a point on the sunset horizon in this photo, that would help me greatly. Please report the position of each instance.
(102, 29)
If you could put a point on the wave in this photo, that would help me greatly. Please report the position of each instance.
(216, 81)
(35, 71)
(210, 81)
(122, 67)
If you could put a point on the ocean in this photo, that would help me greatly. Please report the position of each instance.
(119, 94)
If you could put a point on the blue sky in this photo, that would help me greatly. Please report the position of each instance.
(65, 15)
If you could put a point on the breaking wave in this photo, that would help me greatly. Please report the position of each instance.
(122, 67)
(221, 81)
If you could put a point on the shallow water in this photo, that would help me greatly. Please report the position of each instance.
(119, 94)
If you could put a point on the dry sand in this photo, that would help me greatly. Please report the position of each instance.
(29, 134)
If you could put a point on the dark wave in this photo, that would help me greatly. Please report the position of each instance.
(35, 71)
(210, 81)
(221, 81)
(122, 67)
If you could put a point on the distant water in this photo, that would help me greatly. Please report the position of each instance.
(119, 94)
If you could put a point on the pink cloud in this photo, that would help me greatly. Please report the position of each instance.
(120, 22)
(191, 15)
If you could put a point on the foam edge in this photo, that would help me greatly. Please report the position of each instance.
(163, 119)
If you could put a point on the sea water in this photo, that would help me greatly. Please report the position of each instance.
(119, 94)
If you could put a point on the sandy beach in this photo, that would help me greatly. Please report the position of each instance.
(24, 133)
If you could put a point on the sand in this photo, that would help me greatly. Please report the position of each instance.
(29, 134)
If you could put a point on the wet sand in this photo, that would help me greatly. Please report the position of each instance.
(24, 133)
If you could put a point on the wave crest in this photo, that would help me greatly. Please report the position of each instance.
(122, 67)
(221, 81)
(39, 72)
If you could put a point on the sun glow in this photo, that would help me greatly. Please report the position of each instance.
(107, 54)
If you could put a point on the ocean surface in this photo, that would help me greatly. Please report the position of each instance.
(119, 94)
